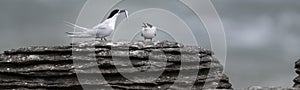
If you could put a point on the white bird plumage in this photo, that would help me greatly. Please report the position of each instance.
(101, 30)
(148, 31)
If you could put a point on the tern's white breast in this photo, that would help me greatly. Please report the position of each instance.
(149, 33)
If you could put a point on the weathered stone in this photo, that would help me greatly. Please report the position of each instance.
(91, 68)
(267, 88)
(297, 64)
(125, 45)
(92, 80)
(37, 59)
(40, 50)
(297, 79)
(58, 67)
(296, 86)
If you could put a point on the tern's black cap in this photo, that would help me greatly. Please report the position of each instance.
(113, 13)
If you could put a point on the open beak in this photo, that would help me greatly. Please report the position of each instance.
(126, 13)
(144, 25)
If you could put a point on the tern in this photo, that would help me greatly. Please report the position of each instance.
(101, 30)
(148, 31)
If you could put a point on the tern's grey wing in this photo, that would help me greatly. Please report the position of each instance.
(154, 29)
(100, 27)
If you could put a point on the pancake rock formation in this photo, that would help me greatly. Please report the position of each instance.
(101, 64)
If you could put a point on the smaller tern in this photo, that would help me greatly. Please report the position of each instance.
(101, 30)
(148, 31)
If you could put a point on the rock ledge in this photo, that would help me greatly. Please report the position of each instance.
(58, 67)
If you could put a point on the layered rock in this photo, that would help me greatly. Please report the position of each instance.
(267, 88)
(297, 79)
(81, 65)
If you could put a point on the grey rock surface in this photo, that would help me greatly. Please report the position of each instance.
(297, 79)
(58, 67)
(267, 88)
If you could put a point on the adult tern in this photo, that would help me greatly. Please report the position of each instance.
(101, 30)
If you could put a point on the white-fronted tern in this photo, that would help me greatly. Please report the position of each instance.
(148, 31)
(101, 30)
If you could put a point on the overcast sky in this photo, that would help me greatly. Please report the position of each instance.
(262, 35)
